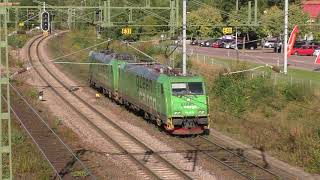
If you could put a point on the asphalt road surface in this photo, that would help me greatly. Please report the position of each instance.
(263, 56)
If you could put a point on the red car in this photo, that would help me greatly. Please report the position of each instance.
(304, 50)
(217, 44)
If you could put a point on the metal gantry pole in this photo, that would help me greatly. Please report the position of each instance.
(285, 47)
(5, 119)
(255, 12)
(184, 39)
(249, 13)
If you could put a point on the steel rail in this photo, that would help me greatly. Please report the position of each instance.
(243, 159)
(85, 117)
(59, 139)
(108, 120)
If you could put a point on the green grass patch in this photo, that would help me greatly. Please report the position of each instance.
(27, 159)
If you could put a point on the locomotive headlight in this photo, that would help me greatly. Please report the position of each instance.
(177, 113)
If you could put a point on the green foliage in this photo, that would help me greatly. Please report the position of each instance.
(26, 158)
(32, 93)
(18, 41)
(178, 62)
(232, 94)
(297, 92)
(272, 19)
(149, 30)
(17, 137)
(200, 21)
(241, 93)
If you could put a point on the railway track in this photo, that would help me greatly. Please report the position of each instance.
(60, 157)
(230, 159)
(151, 164)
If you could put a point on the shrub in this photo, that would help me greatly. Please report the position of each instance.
(17, 41)
(297, 92)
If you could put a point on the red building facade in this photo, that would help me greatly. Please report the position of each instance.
(312, 7)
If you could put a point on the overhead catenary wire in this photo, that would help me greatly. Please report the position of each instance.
(52, 131)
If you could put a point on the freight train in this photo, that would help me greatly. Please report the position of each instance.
(176, 103)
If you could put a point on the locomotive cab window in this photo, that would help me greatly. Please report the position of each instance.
(191, 88)
(195, 88)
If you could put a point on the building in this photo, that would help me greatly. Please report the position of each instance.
(312, 7)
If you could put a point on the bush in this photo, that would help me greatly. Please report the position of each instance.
(17, 41)
(297, 92)
(232, 94)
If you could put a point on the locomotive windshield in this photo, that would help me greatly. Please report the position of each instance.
(191, 88)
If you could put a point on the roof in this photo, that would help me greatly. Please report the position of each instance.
(312, 7)
(153, 71)
(143, 70)
(107, 56)
(146, 69)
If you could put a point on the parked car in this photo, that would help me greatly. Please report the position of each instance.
(208, 43)
(248, 45)
(315, 43)
(195, 42)
(227, 43)
(217, 44)
(305, 50)
(316, 52)
(269, 43)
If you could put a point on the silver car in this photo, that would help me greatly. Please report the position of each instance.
(316, 52)
(269, 44)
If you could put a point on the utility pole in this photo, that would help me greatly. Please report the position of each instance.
(5, 118)
(237, 6)
(249, 13)
(285, 47)
(184, 39)
(255, 12)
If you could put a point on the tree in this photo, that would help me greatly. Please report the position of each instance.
(148, 29)
(273, 20)
(202, 21)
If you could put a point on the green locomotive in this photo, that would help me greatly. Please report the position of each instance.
(177, 103)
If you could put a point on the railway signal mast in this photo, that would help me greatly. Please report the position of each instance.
(45, 21)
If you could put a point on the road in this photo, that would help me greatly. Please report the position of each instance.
(263, 56)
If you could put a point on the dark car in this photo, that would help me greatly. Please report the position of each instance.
(227, 43)
(248, 45)
(194, 42)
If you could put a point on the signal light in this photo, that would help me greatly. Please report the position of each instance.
(45, 21)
